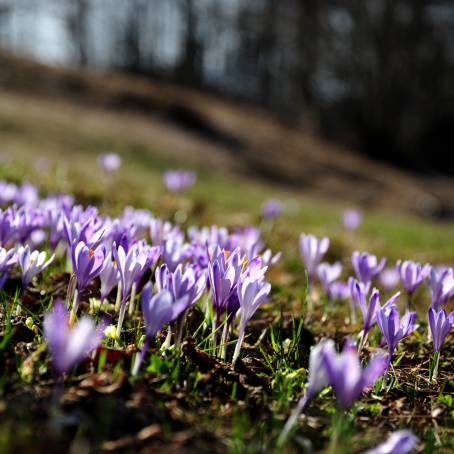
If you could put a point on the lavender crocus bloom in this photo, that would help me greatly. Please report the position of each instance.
(272, 209)
(346, 376)
(186, 283)
(327, 274)
(130, 265)
(109, 276)
(401, 442)
(316, 381)
(179, 180)
(440, 324)
(158, 310)
(366, 266)
(223, 274)
(251, 293)
(412, 274)
(175, 252)
(312, 250)
(441, 285)
(351, 219)
(7, 226)
(109, 162)
(68, 346)
(389, 278)
(7, 260)
(394, 328)
(7, 192)
(339, 291)
(31, 263)
(87, 263)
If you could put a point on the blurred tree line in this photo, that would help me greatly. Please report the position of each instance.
(377, 75)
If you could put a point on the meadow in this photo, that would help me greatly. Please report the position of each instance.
(171, 376)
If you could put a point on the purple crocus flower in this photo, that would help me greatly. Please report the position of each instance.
(31, 263)
(179, 180)
(109, 276)
(87, 263)
(252, 292)
(351, 219)
(316, 381)
(68, 346)
(158, 310)
(394, 328)
(440, 324)
(7, 192)
(130, 265)
(346, 376)
(339, 291)
(441, 285)
(312, 250)
(7, 260)
(389, 278)
(272, 209)
(7, 226)
(412, 274)
(327, 274)
(109, 162)
(369, 311)
(223, 274)
(366, 266)
(89, 232)
(401, 442)
(186, 283)
(175, 252)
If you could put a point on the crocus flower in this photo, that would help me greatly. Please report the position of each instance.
(31, 263)
(440, 324)
(252, 293)
(179, 180)
(316, 381)
(394, 328)
(68, 346)
(181, 283)
(7, 226)
(412, 274)
(87, 263)
(345, 375)
(351, 219)
(312, 250)
(175, 252)
(109, 162)
(130, 265)
(369, 310)
(271, 209)
(223, 274)
(339, 291)
(389, 278)
(109, 276)
(441, 285)
(7, 260)
(327, 274)
(158, 310)
(401, 442)
(366, 266)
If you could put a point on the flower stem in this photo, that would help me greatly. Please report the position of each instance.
(121, 318)
(224, 340)
(74, 307)
(180, 327)
(436, 361)
(239, 342)
(140, 357)
(132, 299)
(118, 300)
(291, 421)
